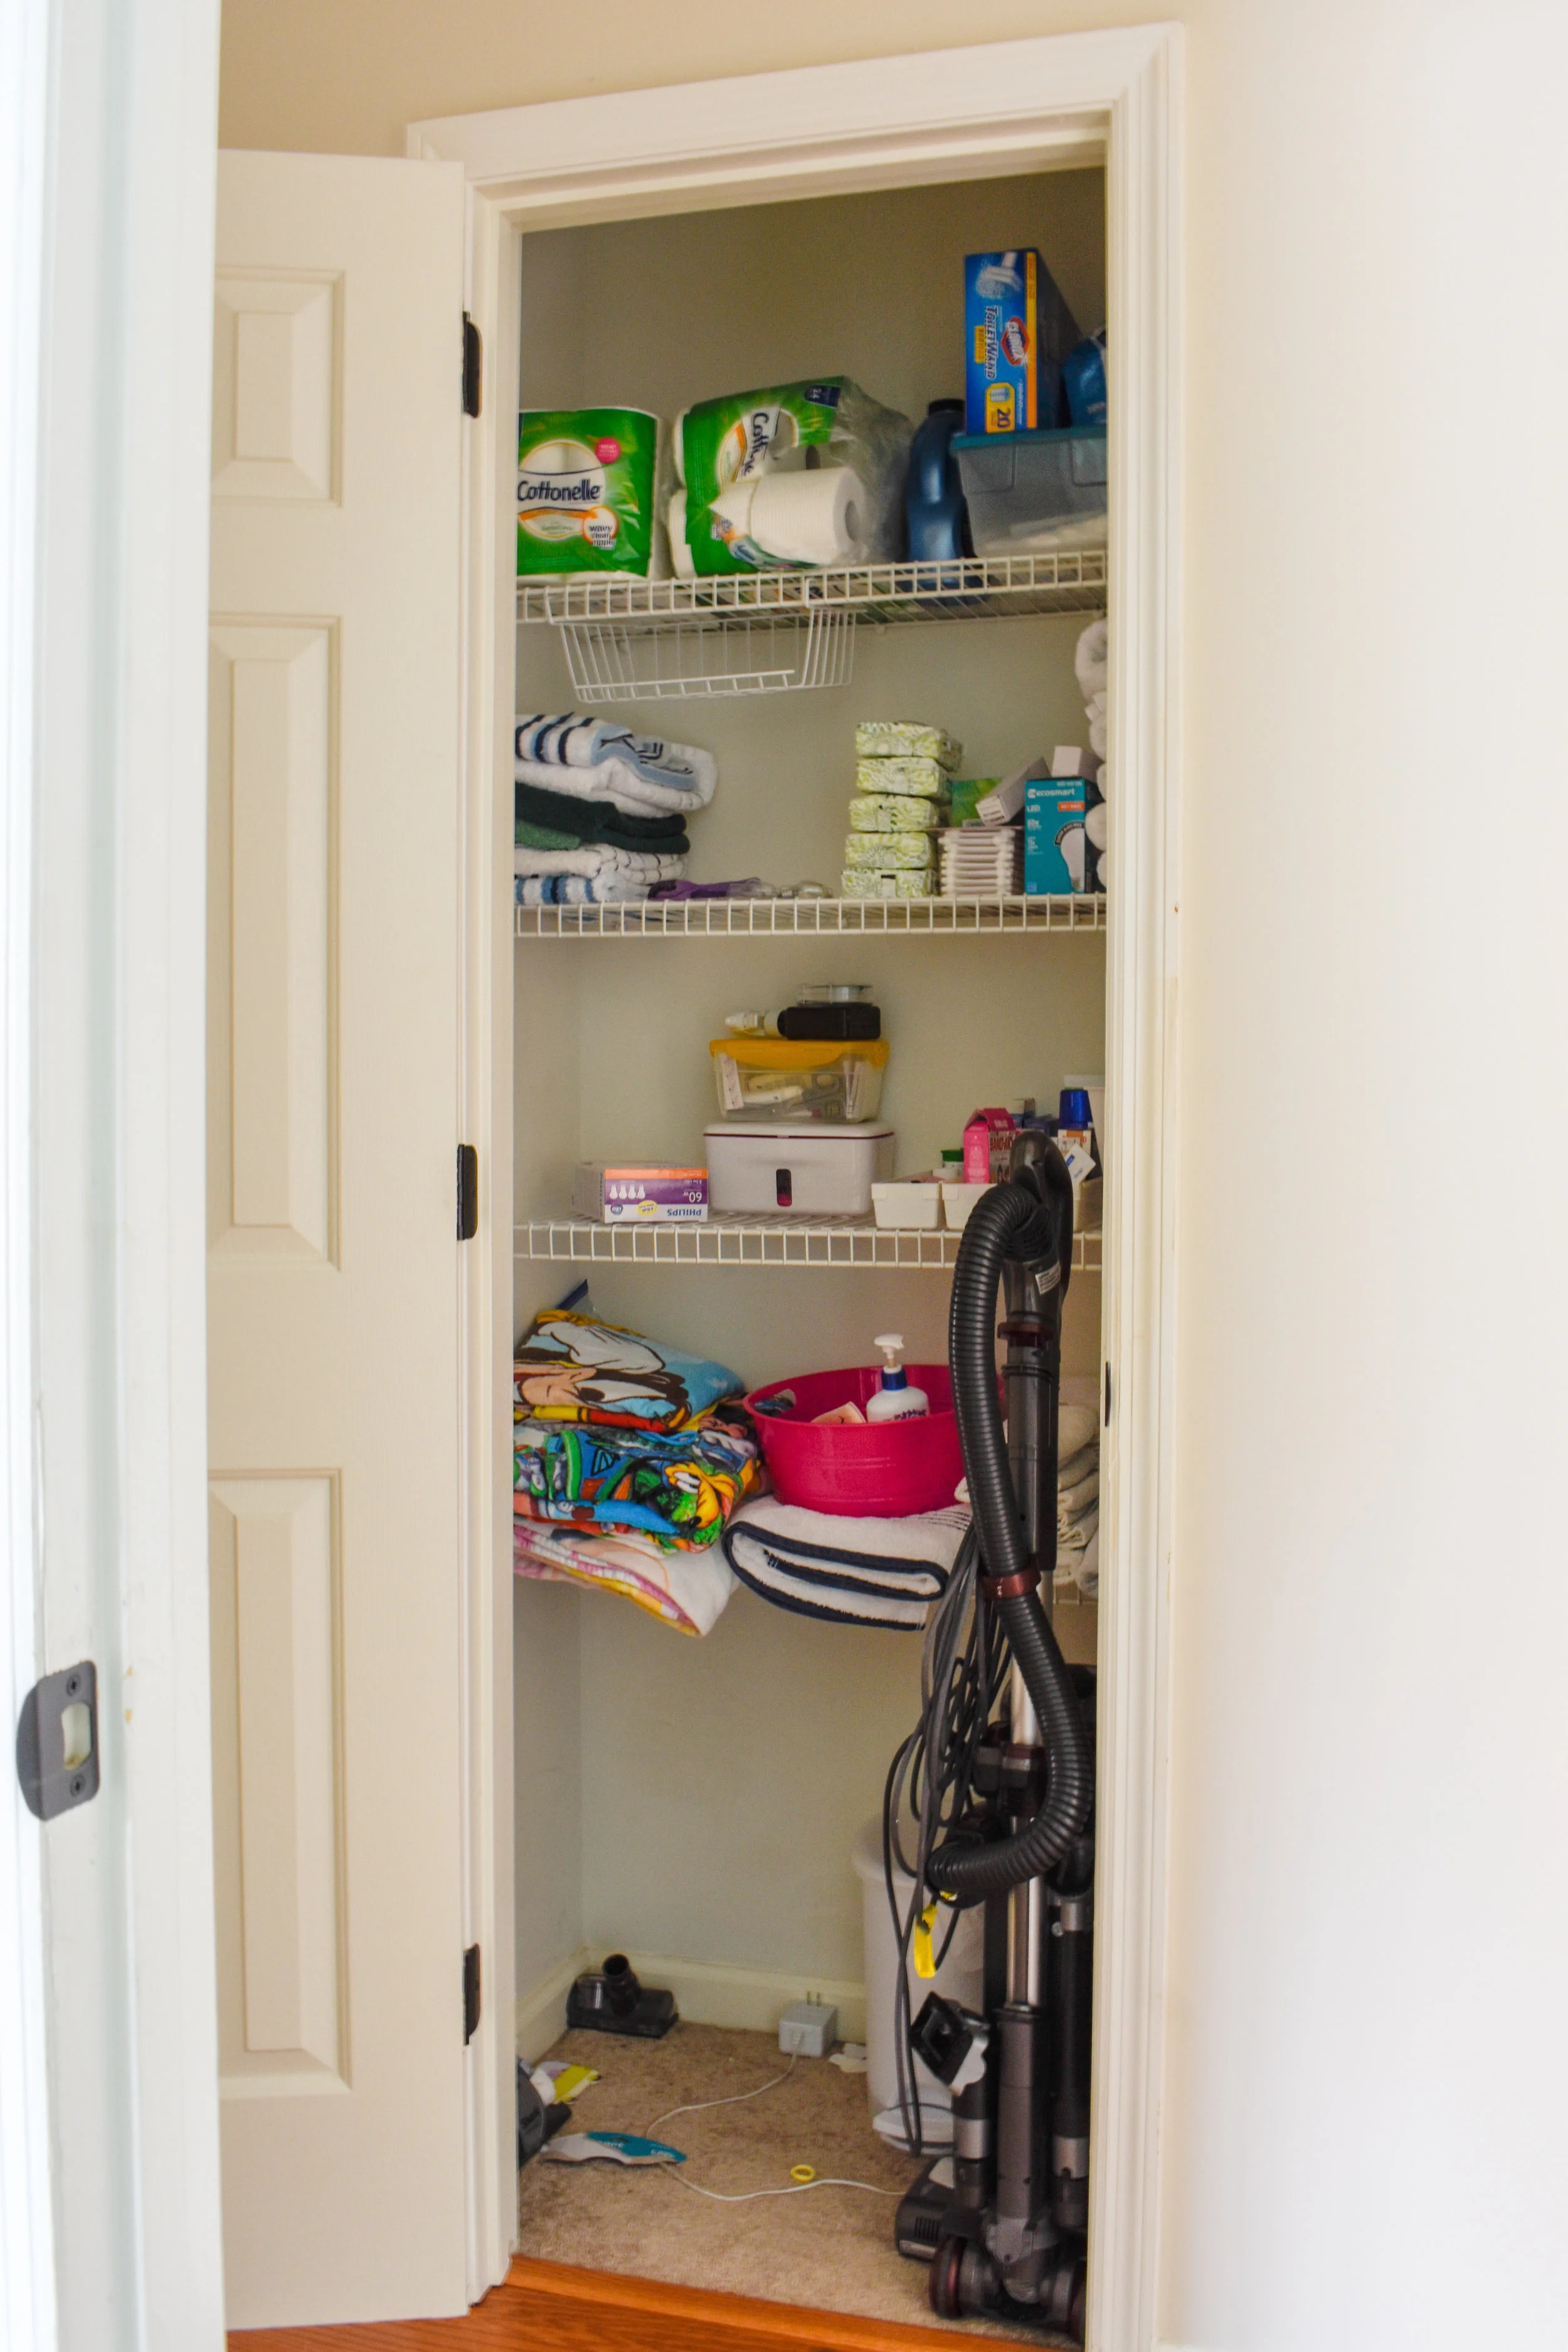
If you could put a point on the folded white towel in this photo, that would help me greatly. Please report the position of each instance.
(1076, 1536)
(578, 889)
(1089, 659)
(1078, 1426)
(1077, 1466)
(1083, 1566)
(597, 860)
(579, 745)
(613, 783)
(850, 1571)
(1074, 1500)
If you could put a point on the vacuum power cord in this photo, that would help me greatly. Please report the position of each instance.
(700, 2106)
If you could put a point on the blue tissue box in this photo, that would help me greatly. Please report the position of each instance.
(1056, 852)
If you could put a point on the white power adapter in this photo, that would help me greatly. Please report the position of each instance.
(808, 2029)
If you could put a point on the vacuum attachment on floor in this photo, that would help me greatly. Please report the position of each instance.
(611, 2000)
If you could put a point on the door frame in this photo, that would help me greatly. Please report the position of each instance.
(833, 130)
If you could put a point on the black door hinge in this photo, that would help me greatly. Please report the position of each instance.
(57, 1741)
(1108, 1396)
(473, 366)
(470, 1992)
(468, 1191)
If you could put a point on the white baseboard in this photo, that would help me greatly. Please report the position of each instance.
(542, 2011)
(707, 1992)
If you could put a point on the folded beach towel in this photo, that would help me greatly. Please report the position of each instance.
(686, 1590)
(849, 1572)
(679, 1490)
(591, 758)
(595, 860)
(571, 1367)
(564, 820)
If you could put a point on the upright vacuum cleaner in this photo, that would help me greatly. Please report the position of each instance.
(1003, 1805)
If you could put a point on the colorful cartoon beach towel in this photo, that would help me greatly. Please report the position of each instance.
(686, 1590)
(679, 1490)
(571, 1367)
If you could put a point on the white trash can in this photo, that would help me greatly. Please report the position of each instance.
(960, 1978)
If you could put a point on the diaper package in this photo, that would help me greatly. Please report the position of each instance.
(893, 813)
(926, 779)
(794, 474)
(587, 493)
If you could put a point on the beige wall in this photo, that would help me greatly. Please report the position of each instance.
(1368, 2038)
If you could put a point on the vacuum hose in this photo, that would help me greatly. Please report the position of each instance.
(1011, 1221)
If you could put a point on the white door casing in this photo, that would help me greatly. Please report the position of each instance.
(897, 122)
(335, 1015)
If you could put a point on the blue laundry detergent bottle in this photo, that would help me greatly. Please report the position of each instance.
(933, 501)
(1083, 380)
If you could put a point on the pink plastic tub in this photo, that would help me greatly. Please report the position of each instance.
(885, 1470)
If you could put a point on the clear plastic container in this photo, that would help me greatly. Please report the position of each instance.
(1033, 491)
(780, 1077)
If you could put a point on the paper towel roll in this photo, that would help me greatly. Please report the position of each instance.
(817, 518)
(680, 551)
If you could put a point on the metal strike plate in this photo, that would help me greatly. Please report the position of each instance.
(57, 1741)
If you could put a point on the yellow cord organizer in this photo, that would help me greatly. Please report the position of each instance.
(924, 1943)
(802, 2173)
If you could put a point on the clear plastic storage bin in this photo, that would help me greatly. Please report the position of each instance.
(1030, 492)
(784, 1078)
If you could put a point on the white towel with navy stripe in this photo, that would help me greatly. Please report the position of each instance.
(848, 1572)
(593, 759)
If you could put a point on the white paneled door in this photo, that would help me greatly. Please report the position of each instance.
(332, 1251)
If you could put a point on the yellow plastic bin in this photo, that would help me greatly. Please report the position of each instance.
(779, 1077)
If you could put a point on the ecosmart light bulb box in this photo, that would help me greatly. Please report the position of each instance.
(1018, 331)
(1056, 847)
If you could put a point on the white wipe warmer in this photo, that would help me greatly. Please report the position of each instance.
(808, 1169)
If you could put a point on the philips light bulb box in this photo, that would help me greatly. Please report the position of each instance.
(1018, 331)
(1057, 858)
(613, 1193)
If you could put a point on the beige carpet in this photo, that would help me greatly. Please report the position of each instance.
(832, 2248)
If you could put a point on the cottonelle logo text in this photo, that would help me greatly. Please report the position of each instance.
(560, 482)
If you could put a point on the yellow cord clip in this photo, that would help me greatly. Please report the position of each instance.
(925, 1958)
(802, 2173)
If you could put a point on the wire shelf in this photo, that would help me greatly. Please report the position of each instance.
(893, 919)
(757, 1242)
(983, 587)
(616, 661)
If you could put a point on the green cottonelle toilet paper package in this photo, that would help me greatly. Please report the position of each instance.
(792, 475)
(587, 483)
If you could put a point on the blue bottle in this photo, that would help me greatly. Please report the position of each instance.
(1083, 380)
(933, 501)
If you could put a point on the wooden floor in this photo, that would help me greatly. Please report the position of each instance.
(546, 2307)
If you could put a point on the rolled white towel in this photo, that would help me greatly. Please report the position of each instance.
(1097, 825)
(1099, 736)
(1102, 781)
(1103, 877)
(1096, 705)
(1090, 659)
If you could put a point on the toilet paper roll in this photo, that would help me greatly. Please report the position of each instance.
(823, 516)
(679, 552)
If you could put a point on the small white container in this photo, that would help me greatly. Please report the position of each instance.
(907, 1205)
(760, 1168)
(960, 1978)
(957, 1200)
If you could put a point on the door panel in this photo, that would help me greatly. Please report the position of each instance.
(333, 1021)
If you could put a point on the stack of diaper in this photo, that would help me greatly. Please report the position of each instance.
(600, 813)
(628, 1459)
(903, 771)
(1077, 1497)
(1090, 665)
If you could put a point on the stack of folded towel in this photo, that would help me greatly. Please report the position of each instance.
(850, 1571)
(1090, 662)
(601, 813)
(627, 1460)
(903, 770)
(1077, 1497)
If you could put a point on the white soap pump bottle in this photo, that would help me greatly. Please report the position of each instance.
(895, 1400)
